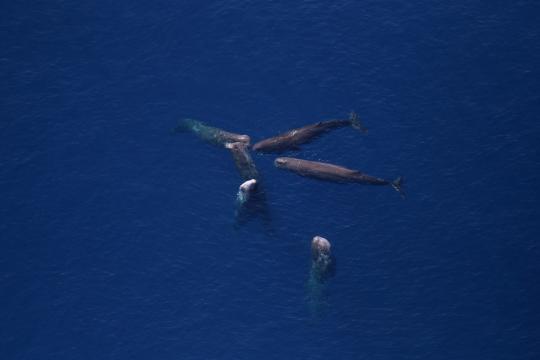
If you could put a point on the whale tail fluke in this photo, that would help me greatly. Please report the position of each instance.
(355, 122)
(397, 184)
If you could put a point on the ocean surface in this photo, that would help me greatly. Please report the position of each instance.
(119, 239)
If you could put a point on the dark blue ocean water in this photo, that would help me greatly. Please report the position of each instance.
(118, 238)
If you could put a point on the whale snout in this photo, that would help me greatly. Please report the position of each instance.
(244, 139)
(246, 190)
(248, 186)
(237, 145)
(320, 245)
(280, 162)
(267, 145)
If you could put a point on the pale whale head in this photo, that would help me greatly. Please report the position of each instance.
(246, 189)
(248, 186)
(320, 245)
(323, 262)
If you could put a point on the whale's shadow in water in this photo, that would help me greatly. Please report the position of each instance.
(323, 267)
(317, 293)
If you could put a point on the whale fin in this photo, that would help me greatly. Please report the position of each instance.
(355, 122)
(397, 185)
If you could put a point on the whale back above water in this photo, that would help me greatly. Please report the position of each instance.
(210, 134)
(292, 139)
(243, 160)
(334, 173)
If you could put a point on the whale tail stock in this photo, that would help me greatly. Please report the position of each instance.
(355, 122)
(397, 184)
(182, 126)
